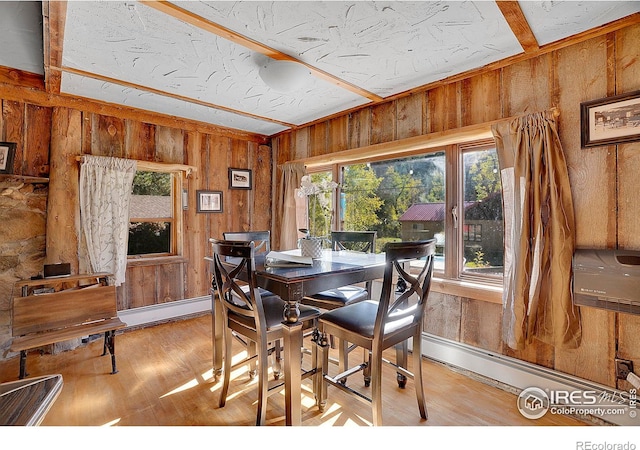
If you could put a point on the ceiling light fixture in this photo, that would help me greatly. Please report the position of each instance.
(284, 76)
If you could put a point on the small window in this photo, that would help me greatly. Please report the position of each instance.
(151, 214)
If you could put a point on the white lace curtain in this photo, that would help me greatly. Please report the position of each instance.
(105, 193)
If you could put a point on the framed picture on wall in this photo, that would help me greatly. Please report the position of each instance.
(7, 153)
(209, 201)
(610, 120)
(239, 178)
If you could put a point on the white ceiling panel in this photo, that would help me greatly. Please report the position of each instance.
(552, 21)
(200, 60)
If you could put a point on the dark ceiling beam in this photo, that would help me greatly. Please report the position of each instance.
(517, 21)
(176, 12)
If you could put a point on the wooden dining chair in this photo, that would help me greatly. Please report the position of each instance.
(360, 241)
(379, 325)
(247, 312)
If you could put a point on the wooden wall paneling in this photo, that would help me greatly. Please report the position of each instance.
(478, 324)
(218, 180)
(13, 131)
(141, 288)
(195, 244)
(410, 115)
(280, 147)
(359, 133)
(628, 80)
(592, 171)
(443, 108)
(239, 208)
(592, 176)
(63, 206)
(107, 136)
(301, 144)
(442, 317)
(37, 138)
(319, 139)
(170, 282)
(139, 141)
(629, 343)
(338, 139)
(383, 122)
(261, 195)
(481, 100)
(169, 145)
(527, 86)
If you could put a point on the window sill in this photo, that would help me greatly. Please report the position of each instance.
(476, 291)
(155, 261)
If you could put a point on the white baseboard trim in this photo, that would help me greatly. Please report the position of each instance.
(520, 374)
(147, 315)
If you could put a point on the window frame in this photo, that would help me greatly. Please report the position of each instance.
(453, 280)
(177, 221)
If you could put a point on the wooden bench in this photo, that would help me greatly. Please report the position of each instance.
(55, 310)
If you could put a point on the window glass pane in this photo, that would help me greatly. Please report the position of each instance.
(150, 213)
(401, 199)
(149, 237)
(319, 205)
(482, 228)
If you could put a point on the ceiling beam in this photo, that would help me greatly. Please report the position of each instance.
(140, 87)
(517, 21)
(197, 21)
(54, 14)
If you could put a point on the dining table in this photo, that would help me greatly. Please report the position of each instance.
(292, 283)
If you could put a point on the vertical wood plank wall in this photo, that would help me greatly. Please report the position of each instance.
(605, 181)
(49, 140)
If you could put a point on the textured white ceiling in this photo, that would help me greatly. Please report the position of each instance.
(131, 54)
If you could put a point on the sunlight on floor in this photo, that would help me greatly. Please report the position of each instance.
(112, 423)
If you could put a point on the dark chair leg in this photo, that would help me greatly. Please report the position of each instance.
(110, 344)
(23, 364)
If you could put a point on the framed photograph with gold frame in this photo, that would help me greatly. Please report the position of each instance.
(610, 120)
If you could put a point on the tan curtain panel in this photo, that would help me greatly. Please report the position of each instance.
(539, 234)
(292, 174)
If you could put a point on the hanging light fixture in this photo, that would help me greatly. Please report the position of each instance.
(283, 76)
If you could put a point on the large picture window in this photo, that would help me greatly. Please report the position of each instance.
(452, 194)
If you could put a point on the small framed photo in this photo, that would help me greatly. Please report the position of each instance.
(610, 120)
(7, 153)
(239, 178)
(209, 201)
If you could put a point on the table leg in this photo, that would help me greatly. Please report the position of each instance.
(292, 338)
(217, 335)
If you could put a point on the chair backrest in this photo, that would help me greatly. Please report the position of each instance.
(231, 259)
(396, 311)
(261, 239)
(361, 241)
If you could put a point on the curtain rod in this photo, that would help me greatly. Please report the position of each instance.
(158, 166)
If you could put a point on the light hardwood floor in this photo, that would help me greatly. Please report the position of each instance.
(165, 379)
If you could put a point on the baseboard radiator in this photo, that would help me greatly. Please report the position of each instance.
(502, 371)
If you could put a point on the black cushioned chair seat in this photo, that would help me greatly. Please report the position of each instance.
(274, 313)
(360, 318)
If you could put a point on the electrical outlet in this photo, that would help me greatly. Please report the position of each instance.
(623, 368)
